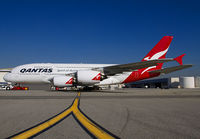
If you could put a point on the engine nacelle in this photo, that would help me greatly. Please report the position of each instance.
(88, 77)
(63, 81)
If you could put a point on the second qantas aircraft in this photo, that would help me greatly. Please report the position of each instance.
(68, 75)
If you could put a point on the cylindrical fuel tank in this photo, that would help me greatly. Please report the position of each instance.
(187, 82)
(197, 82)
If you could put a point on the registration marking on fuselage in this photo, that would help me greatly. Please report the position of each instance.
(90, 126)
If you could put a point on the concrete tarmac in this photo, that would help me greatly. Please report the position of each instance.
(127, 113)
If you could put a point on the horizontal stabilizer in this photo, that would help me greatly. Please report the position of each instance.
(171, 69)
(179, 59)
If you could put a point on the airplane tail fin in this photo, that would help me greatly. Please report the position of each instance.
(159, 51)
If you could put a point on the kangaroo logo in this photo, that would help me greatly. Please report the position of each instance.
(156, 56)
(70, 81)
(98, 77)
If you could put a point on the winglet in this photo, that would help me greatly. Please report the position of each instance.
(179, 59)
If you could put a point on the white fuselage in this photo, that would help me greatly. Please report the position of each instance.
(44, 73)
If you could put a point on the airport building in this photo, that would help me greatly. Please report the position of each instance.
(171, 82)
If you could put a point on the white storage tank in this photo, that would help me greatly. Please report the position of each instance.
(187, 82)
(197, 81)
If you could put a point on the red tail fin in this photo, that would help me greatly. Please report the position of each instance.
(159, 51)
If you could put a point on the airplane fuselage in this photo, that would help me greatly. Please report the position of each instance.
(44, 73)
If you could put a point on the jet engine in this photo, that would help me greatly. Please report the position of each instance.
(63, 81)
(88, 77)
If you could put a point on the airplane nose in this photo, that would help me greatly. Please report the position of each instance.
(7, 77)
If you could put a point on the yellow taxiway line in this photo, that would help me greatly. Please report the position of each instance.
(89, 125)
(43, 126)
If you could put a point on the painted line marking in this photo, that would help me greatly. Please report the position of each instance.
(91, 127)
(96, 130)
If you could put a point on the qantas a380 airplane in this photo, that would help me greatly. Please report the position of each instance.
(72, 75)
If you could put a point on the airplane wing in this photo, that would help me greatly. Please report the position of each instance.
(171, 69)
(112, 70)
(6, 70)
